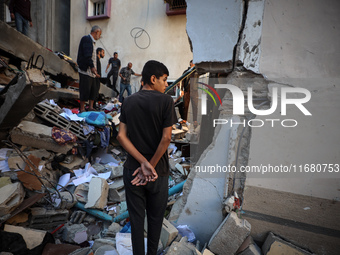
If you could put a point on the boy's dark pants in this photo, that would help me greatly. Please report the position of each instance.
(153, 198)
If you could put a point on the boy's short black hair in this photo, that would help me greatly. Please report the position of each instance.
(99, 50)
(153, 67)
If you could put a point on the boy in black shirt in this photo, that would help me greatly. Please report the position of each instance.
(145, 133)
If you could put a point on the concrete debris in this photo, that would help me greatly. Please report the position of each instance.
(4, 181)
(42, 218)
(37, 136)
(81, 192)
(77, 217)
(106, 249)
(182, 248)
(229, 236)
(276, 245)
(74, 233)
(11, 196)
(98, 193)
(249, 247)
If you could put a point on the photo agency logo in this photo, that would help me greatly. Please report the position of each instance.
(238, 99)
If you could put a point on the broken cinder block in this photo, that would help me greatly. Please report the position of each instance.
(47, 219)
(229, 236)
(98, 193)
(75, 233)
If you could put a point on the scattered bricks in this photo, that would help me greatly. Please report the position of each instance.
(74, 233)
(276, 245)
(77, 217)
(32, 237)
(11, 196)
(249, 247)
(37, 136)
(229, 236)
(182, 248)
(81, 192)
(117, 195)
(47, 219)
(98, 193)
(45, 111)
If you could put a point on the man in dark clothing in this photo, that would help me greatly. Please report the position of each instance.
(115, 66)
(21, 11)
(87, 63)
(125, 75)
(145, 132)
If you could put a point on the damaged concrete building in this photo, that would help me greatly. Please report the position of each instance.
(265, 172)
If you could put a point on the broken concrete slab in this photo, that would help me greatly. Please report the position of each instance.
(117, 195)
(116, 171)
(13, 42)
(74, 233)
(101, 241)
(11, 196)
(98, 193)
(227, 19)
(32, 237)
(230, 235)
(168, 233)
(276, 245)
(203, 192)
(207, 252)
(118, 183)
(38, 136)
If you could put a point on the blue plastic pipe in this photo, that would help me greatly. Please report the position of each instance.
(123, 216)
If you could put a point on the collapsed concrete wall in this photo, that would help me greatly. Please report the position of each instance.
(285, 43)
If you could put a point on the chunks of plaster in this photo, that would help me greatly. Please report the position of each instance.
(98, 193)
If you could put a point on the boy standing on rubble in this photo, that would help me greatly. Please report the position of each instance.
(145, 133)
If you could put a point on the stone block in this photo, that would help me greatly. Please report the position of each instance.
(118, 183)
(47, 219)
(116, 171)
(168, 233)
(32, 237)
(276, 245)
(11, 196)
(81, 192)
(98, 193)
(117, 195)
(113, 229)
(230, 235)
(74, 233)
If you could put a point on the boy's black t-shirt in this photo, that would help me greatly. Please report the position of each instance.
(145, 114)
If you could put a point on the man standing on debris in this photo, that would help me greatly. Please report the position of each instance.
(125, 75)
(145, 133)
(115, 66)
(87, 63)
(21, 11)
